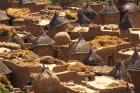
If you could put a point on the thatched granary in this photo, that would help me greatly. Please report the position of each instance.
(43, 39)
(120, 3)
(110, 7)
(109, 12)
(126, 22)
(56, 21)
(133, 10)
(43, 45)
(132, 64)
(90, 13)
(119, 72)
(62, 38)
(57, 24)
(45, 82)
(124, 25)
(132, 61)
(130, 6)
(78, 50)
(82, 19)
(93, 59)
(80, 46)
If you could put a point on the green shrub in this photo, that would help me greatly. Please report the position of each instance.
(3, 89)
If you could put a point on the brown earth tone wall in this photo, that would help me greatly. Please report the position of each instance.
(21, 73)
(124, 33)
(53, 31)
(135, 18)
(43, 50)
(66, 76)
(109, 54)
(122, 56)
(97, 19)
(134, 39)
(60, 68)
(62, 53)
(97, 7)
(112, 18)
(135, 74)
(80, 78)
(78, 57)
(32, 27)
(92, 33)
(29, 25)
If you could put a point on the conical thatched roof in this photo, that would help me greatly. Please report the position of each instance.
(109, 8)
(119, 72)
(89, 12)
(82, 19)
(24, 2)
(130, 7)
(81, 46)
(43, 39)
(45, 82)
(125, 22)
(133, 61)
(57, 21)
(93, 59)
(4, 70)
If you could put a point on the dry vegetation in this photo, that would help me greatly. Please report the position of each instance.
(103, 41)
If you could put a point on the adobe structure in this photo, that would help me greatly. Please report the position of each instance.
(69, 46)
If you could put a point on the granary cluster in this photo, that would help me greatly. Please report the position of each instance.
(49, 48)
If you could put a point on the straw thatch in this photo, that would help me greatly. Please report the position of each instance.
(78, 47)
(93, 59)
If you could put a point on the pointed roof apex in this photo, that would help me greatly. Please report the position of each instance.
(119, 72)
(130, 62)
(82, 19)
(125, 22)
(57, 21)
(4, 70)
(136, 54)
(43, 39)
(78, 47)
(110, 2)
(109, 8)
(89, 12)
(130, 6)
(93, 59)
